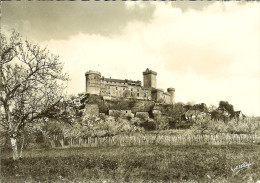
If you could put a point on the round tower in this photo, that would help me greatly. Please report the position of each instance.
(171, 91)
(93, 82)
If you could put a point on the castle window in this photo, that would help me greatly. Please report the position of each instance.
(131, 89)
(123, 88)
(144, 94)
(137, 94)
(125, 111)
(116, 88)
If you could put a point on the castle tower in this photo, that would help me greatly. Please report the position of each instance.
(93, 82)
(171, 91)
(149, 78)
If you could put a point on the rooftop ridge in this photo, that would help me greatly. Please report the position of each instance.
(121, 80)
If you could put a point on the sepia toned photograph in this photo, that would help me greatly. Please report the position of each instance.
(130, 92)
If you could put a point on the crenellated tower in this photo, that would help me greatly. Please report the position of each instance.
(93, 82)
(149, 78)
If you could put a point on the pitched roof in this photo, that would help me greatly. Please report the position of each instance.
(122, 81)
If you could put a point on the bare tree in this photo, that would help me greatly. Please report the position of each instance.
(31, 83)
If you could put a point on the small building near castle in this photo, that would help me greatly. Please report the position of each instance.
(119, 88)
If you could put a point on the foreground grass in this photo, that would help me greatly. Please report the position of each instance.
(180, 163)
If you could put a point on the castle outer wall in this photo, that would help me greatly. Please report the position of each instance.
(117, 88)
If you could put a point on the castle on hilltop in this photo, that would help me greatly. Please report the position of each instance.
(116, 88)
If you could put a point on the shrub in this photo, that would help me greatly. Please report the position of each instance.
(148, 125)
(202, 126)
(173, 123)
(216, 127)
(248, 125)
(162, 123)
(39, 137)
(142, 115)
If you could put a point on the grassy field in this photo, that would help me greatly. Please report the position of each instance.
(178, 163)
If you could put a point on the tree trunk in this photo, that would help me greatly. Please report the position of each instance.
(14, 148)
(21, 151)
(62, 142)
(6, 141)
(52, 143)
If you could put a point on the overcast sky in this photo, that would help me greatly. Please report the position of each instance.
(207, 51)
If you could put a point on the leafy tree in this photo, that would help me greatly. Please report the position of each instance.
(202, 126)
(217, 127)
(212, 108)
(177, 111)
(31, 81)
(225, 105)
(248, 125)
(202, 107)
(162, 123)
(121, 104)
(142, 116)
(216, 115)
(53, 130)
(148, 125)
(187, 107)
(190, 103)
(95, 126)
(177, 114)
(117, 115)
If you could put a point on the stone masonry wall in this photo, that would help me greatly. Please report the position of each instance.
(120, 89)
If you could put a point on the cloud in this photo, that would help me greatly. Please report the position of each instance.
(135, 4)
(60, 20)
(207, 43)
(208, 54)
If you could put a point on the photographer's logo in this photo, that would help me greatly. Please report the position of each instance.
(237, 169)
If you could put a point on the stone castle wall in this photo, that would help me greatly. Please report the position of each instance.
(117, 88)
(124, 88)
(160, 96)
